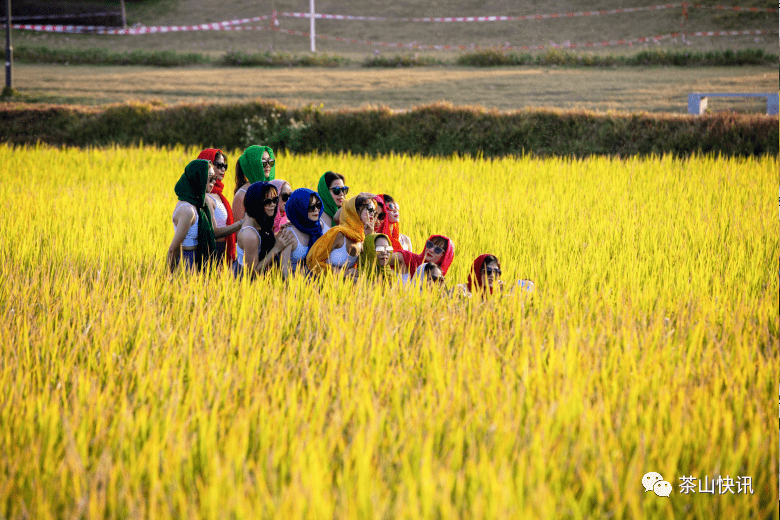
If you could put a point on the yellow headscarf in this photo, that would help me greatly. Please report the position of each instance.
(350, 226)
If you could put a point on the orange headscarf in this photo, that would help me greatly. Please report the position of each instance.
(350, 226)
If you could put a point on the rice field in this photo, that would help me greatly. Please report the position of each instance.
(650, 344)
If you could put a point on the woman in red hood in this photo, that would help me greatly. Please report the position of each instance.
(439, 250)
(223, 213)
(485, 278)
(388, 222)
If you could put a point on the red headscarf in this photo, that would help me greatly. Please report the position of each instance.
(230, 241)
(475, 275)
(414, 261)
(391, 230)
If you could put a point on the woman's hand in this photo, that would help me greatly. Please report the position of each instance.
(284, 239)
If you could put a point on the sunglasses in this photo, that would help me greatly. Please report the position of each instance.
(315, 207)
(269, 202)
(393, 206)
(269, 162)
(285, 197)
(337, 190)
(436, 249)
(221, 166)
(371, 211)
(493, 270)
(384, 249)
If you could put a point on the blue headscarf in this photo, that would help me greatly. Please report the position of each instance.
(253, 205)
(297, 209)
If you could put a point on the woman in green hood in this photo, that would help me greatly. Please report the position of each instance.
(256, 164)
(195, 233)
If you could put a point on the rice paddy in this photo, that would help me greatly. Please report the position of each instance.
(649, 344)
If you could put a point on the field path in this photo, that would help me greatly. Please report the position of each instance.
(653, 89)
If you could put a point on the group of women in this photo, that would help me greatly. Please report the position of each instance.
(271, 226)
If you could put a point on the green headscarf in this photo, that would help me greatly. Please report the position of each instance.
(326, 196)
(251, 162)
(367, 262)
(191, 188)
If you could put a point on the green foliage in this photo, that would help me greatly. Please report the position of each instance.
(277, 59)
(408, 60)
(100, 56)
(499, 57)
(437, 129)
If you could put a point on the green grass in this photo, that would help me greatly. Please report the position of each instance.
(482, 58)
(275, 59)
(99, 56)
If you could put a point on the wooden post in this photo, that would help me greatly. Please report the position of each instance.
(311, 26)
(9, 51)
(273, 25)
(124, 14)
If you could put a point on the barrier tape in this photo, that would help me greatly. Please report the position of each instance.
(54, 16)
(729, 33)
(484, 18)
(736, 8)
(95, 29)
(415, 45)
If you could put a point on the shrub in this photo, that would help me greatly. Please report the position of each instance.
(408, 60)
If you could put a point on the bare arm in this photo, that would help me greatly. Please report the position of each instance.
(183, 219)
(285, 261)
(238, 206)
(220, 232)
(336, 218)
(251, 256)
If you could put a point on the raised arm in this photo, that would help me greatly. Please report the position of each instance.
(251, 257)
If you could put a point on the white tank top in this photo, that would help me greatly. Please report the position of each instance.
(240, 252)
(298, 254)
(220, 211)
(191, 238)
(340, 258)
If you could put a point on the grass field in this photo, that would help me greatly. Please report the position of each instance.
(536, 32)
(651, 89)
(651, 344)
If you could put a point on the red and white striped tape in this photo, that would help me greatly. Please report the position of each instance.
(415, 45)
(77, 29)
(735, 8)
(484, 18)
(729, 33)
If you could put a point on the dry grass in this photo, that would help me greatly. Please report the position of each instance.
(651, 345)
(589, 29)
(652, 89)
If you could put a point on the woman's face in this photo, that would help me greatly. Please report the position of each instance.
(220, 166)
(490, 273)
(383, 251)
(367, 214)
(267, 164)
(433, 253)
(380, 218)
(393, 212)
(212, 179)
(270, 201)
(341, 197)
(283, 196)
(314, 209)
